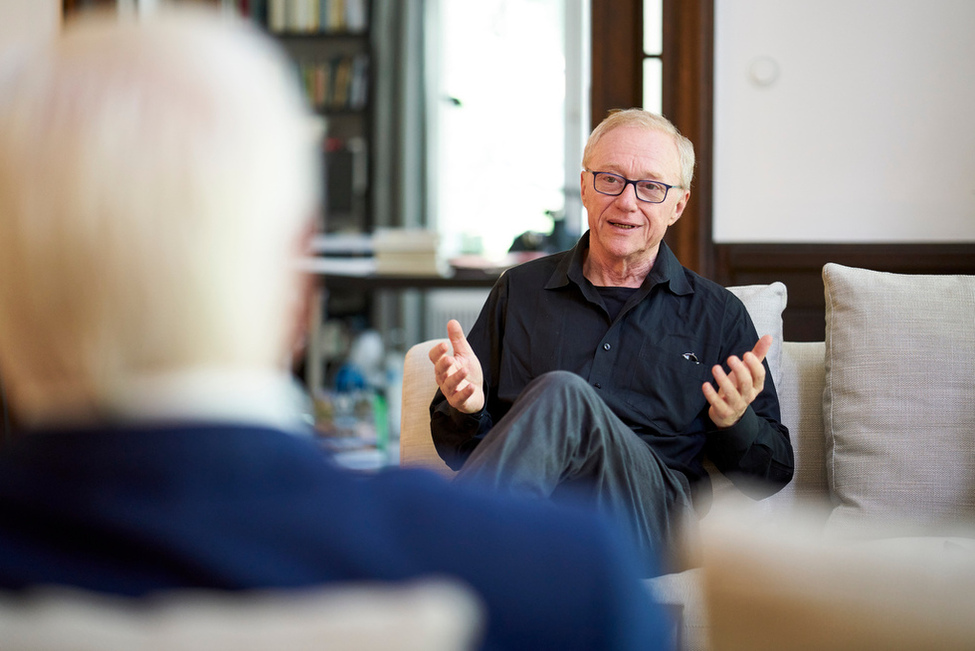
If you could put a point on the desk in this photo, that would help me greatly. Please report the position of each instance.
(361, 273)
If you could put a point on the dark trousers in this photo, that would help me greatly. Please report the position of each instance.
(561, 441)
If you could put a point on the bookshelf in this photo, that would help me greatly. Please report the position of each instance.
(330, 44)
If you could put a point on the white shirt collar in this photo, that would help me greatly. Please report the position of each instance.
(211, 394)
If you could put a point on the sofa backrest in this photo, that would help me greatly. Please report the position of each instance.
(418, 615)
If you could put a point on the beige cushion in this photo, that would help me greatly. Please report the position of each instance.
(783, 586)
(416, 616)
(801, 402)
(898, 415)
(416, 447)
(765, 304)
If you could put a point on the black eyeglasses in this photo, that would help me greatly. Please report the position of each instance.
(614, 184)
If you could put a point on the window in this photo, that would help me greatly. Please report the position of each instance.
(653, 47)
(509, 120)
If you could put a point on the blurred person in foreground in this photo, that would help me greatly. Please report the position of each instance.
(157, 182)
(611, 371)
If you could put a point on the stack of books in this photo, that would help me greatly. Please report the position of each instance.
(405, 251)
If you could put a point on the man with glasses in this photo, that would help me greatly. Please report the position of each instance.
(597, 373)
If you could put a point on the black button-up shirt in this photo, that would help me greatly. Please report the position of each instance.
(648, 364)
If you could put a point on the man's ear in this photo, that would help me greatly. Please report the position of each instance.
(679, 208)
(304, 298)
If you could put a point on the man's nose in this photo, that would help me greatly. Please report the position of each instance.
(628, 195)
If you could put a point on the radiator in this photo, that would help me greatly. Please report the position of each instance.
(445, 304)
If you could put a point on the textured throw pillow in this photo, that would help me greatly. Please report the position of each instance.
(765, 304)
(898, 415)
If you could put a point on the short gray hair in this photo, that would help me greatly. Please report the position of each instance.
(638, 117)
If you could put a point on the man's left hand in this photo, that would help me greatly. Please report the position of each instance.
(737, 389)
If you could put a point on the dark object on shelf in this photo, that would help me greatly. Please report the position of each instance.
(558, 240)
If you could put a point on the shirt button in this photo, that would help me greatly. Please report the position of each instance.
(606, 346)
(598, 385)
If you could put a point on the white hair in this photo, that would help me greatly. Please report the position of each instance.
(155, 177)
(637, 117)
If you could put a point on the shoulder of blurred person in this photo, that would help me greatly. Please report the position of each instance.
(248, 507)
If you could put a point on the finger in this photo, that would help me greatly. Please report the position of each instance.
(746, 383)
(450, 370)
(741, 373)
(728, 389)
(721, 412)
(453, 379)
(756, 370)
(457, 339)
(441, 359)
(762, 347)
(711, 395)
(460, 396)
(438, 351)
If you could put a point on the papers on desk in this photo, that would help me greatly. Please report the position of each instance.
(338, 266)
(389, 252)
(413, 252)
(342, 244)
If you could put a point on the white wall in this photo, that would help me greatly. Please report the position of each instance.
(844, 121)
(27, 21)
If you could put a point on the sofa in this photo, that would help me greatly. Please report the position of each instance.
(872, 545)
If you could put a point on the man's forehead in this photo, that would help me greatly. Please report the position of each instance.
(634, 148)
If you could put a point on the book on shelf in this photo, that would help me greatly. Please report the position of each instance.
(342, 245)
(314, 16)
(336, 84)
(346, 181)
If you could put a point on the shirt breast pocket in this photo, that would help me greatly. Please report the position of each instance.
(664, 383)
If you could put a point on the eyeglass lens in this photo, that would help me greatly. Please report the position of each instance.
(614, 185)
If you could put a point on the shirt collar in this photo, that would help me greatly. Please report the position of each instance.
(210, 394)
(667, 270)
(570, 266)
(215, 394)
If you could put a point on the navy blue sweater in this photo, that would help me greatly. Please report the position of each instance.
(134, 511)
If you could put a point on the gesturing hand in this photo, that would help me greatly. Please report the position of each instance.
(737, 389)
(459, 374)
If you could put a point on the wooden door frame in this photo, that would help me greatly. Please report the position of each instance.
(617, 82)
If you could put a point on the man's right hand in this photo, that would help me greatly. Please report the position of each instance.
(459, 374)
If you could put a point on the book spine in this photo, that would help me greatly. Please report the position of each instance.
(277, 15)
(356, 15)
